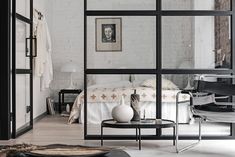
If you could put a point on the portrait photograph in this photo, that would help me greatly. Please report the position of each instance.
(108, 34)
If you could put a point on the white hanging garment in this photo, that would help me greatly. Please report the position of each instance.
(43, 62)
(47, 75)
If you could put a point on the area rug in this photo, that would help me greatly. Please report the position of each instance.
(58, 150)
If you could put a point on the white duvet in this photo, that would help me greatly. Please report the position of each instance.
(112, 93)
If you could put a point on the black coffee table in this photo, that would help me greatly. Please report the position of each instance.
(138, 125)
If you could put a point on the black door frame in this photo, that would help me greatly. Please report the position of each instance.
(15, 71)
(5, 124)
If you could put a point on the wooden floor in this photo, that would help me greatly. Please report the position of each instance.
(51, 130)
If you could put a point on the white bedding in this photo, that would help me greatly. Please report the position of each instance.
(101, 101)
(102, 97)
(96, 112)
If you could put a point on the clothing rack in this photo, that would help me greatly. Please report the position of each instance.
(40, 15)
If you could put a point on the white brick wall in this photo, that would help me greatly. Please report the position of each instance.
(121, 4)
(138, 45)
(66, 28)
(39, 98)
(66, 25)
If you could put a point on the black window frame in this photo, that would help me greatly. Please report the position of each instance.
(158, 13)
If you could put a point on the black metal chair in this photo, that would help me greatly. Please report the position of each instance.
(205, 106)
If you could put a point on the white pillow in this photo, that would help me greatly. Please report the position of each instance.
(119, 84)
(166, 84)
(149, 83)
(140, 77)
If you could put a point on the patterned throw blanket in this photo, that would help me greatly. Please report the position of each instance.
(113, 95)
(28, 150)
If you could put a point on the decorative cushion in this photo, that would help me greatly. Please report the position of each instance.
(166, 84)
(149, 83)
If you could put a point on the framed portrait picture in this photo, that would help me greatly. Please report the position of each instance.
(108, 34)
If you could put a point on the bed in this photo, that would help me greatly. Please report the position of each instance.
(101, 98)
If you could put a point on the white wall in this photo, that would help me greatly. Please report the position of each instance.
(188, 40)
(204, 56)
(66, 27)
(121, 4)
(177, 47)
(180, 42)
(138, 45)
(204, 38)
(177, 4)
(188, 4)
(39, 97)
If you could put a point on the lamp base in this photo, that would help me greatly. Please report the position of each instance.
(71, 86)
(188, 87)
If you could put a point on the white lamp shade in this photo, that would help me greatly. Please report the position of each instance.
(69, 67)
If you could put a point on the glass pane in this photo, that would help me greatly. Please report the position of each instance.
(171, 84)
(22, 32)
(200, 42)
(22, 101)
(23, 7)
(137, 42)
(105, 92)
(121, 4)
(223, 5)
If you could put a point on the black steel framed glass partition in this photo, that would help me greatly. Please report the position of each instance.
(22, 67)
(168, 40)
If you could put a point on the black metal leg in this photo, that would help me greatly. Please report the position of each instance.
(62, 100)
(59, 102)
(136, 133)
(139, 139)
(174, 136)
(101, 135)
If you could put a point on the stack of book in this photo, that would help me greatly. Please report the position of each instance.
(50, 106)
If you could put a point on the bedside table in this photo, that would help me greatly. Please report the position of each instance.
(62, 94)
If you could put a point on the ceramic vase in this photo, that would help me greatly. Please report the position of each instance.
(122, 113)
(68, 108)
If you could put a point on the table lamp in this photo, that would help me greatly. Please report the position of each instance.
(70, 68)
